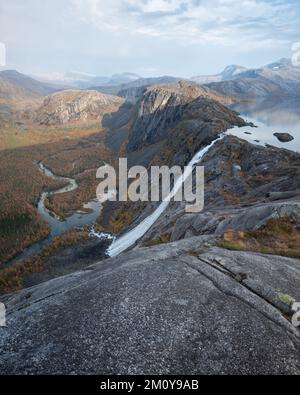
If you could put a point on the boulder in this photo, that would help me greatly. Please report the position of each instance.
(284, 137)
(257, 216)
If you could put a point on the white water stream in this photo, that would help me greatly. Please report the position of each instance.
(129, 239)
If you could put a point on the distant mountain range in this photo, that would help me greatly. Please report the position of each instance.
(80, 80)
(277, 79)
(131, 90)
(114, 85)
(229, 73)
(17, 87)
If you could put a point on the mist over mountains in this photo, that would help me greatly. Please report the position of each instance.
(81, 80)
(279, 78)
(17, 86)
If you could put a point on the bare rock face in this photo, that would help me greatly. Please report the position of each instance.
(75, 105)
(199, 310)
(245, 186)
(284, 137)
(216, 223)
(186, 107)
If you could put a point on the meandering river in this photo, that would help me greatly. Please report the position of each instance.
(58, 226)
(77, 219)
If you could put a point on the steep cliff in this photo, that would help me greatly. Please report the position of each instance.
(182, 115)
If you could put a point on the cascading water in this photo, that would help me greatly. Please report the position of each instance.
(129, 239)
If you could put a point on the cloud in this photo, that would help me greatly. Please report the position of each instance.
(180, 37)
(248, 23)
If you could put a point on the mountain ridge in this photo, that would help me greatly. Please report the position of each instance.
(75, 106)
(279, 79)
(15, 86)
(79, 80)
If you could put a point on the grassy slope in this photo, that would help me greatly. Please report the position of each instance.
(278, 237)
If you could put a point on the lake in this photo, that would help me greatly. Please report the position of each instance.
(270, 116)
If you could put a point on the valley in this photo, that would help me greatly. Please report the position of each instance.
(54, 232)
(72, 133)
(74, 150)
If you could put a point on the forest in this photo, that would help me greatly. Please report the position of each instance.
(74, 152)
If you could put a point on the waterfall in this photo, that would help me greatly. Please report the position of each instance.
(129, 239)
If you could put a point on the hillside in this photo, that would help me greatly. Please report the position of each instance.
(17, 87)
(127, 89)
(75, 106)
(177, 115)
(79, 80)
(230, 72)
(248, 88)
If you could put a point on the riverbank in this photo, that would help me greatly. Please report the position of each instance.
(58, 226)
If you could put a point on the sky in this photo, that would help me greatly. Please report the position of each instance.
(182, 38)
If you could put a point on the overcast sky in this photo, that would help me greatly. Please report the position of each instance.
(149, 37)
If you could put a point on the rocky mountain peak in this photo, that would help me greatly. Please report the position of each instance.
(183, 105)
(281, 63)
(169, 95)
(231, 71)
(76, 105)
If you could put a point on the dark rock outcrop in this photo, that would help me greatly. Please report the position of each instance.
(284, 137)
(242, 180)
(216, 222)
(169, 124)
(182, 117)
(162, 107)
